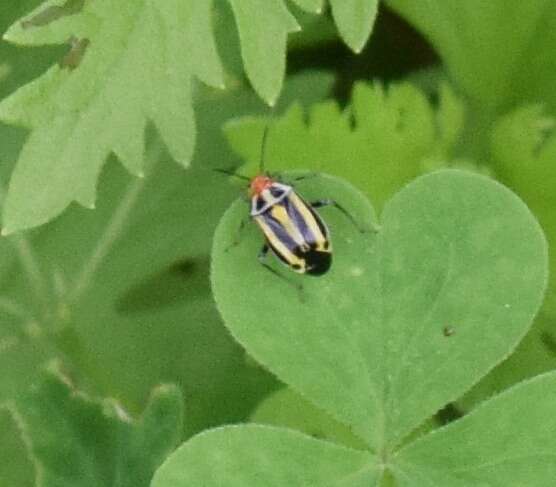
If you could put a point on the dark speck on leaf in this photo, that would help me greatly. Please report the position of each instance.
(76, 53)
(448, 331)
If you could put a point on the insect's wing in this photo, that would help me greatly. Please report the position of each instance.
(311, 226)
(279, 239)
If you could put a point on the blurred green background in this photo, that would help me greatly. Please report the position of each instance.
(122, 293)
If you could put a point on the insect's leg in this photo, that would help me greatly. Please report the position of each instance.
(237, 240)
(263, 254)
(308, 175)
(330, 202)
(262, 259)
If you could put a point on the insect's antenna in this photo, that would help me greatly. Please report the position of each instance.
(232, 173)
(265, 140)
(263, 148)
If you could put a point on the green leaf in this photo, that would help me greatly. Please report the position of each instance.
(81, 441)
(395, 135)
(125, 66)
(134, 70)
(501, 52)
(509, 440)
(286, 408)
(523, 151)
(316, 31)
(85, 266)
(123, 292)
(19, 66)
(367, 344)
(355, 20)
(240, 456)
(536, 354)
(263, 42)
(310, 5)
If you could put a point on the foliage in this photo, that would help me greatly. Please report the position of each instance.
(499, 54)
(380, 142)
(422, 358)
(491, 49)
(132, 69)
(367, 343)
(286, 408)
(77, 440)
(245, 455)
(113, 293)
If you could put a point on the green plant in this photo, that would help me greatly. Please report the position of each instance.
(422, 358)
(75, 439)
(367, 344)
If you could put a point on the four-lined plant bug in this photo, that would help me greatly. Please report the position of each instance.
(293, 230)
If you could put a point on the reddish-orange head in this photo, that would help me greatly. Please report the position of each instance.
(259, 184)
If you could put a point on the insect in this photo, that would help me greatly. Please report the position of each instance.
(293, 230)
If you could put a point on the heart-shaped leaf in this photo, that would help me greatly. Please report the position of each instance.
(408, 318)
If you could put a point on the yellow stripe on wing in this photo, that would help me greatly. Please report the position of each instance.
(306, 213)
(283, 252)
(279, 213)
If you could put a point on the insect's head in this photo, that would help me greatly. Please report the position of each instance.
(262, 180)
(259, 183)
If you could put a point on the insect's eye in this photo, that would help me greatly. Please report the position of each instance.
(260, 204)
(277, 192)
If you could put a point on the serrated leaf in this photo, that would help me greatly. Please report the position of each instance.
(13, 10)
(355, 20)
(241, 456)
(125, 66)
(368, 342)
(79, 116)
(316, 31)
(77, 440)
(395, 135)
(131, 278)
(19, 66)
(263, 43)
(509, 440)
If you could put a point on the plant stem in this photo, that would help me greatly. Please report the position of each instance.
(113, 230)
(30, 265)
